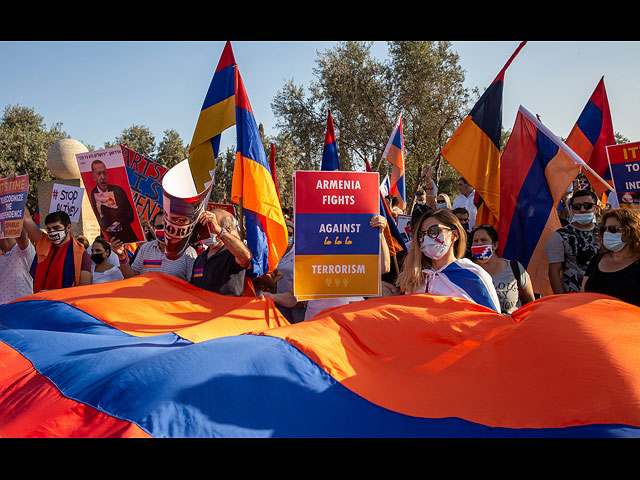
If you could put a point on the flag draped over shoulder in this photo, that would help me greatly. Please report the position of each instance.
(590, 136)
(218, 113)
(474, 149)
(535, 171)
(330, 160)
(253, 185)
(394, 153)
(416, 365)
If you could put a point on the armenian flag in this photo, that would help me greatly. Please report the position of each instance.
(536, 169)
(254, 186)
(216, 115)
(330, 160)
(171, 360)
(474, 148)
(394, 153)
(590, 136)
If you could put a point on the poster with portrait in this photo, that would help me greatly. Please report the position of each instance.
(105, 179)
(337, 252)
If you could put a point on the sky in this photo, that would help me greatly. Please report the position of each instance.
(96, 89)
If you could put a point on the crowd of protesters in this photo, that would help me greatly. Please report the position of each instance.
(597, 249)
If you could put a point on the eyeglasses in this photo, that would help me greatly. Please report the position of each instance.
(585, 205)
(433, 231)
(610, 229)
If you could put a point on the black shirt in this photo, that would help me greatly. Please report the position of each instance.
(219, 274)
(623, 284)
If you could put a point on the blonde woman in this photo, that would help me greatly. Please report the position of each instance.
(443, 201)
(435, 263)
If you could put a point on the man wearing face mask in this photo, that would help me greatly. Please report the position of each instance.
(221, 267)
(60, 261)
(570, 248)
(150, 257)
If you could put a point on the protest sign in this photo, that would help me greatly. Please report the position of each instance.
(404, 227)
(229, 207)
(337, 252)
(13, 199)
(183, 205)
(624, 163)
(145, 180)
(68, 199)
(105, 177)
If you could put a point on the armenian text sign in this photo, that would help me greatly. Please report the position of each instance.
(13, 199)
(337, 252)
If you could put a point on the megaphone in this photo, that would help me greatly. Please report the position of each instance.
(182, 205)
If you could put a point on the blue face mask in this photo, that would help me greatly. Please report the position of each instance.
(583, 218)
(613, 241)
(441, 205)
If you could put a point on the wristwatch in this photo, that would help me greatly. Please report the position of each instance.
(222, 232)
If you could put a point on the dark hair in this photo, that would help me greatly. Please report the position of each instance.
(420, 193)
(103, 241)
(153, 220)
(419, 209)
(583, 193)
(459, 210)
(463, 179)
(395, 201)
(487, 228)
(58, 216)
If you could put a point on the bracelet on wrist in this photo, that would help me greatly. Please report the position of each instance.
(123, 260)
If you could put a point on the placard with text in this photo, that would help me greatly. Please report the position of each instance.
(624, 163)
(13, 199)
(337, 252)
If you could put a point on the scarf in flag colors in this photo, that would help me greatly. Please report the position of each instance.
(170, 360)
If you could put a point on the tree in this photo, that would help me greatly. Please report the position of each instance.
(24, 143)
(421, 80)
(171, 150)
(138, 138)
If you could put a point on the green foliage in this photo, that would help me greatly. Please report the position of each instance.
(24, 142)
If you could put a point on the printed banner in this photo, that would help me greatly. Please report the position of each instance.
(68, 199)
(13, 199)
(145, 180)
(105, 177)
(337, 252)
(624, 163)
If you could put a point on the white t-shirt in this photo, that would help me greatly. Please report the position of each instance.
(15, 280)
(314, 307)
(110, 275)
(467, 203)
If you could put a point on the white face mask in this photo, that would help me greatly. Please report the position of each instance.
(211, 241)
(58, 236)
(613, 241)
(434, 248)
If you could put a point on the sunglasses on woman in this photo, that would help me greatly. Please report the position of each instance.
(610, 229)
(585, 205)
(433, 231)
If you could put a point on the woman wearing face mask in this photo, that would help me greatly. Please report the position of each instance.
(510, 279)
(101, 270)
(443, 201)
(436, 265)
(616, 270)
